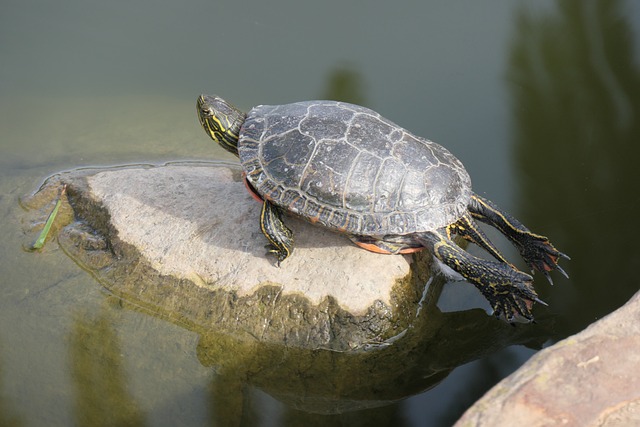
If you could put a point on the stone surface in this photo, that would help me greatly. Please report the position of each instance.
(198, 223)
(589, 379)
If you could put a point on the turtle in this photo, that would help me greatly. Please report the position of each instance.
(347, 168)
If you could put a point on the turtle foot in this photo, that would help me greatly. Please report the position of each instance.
(541, 255)
(278, 254)
(280, 237)
(513, 303)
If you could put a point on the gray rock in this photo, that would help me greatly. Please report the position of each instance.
(589, 379)
(184, 239)
(197, 223)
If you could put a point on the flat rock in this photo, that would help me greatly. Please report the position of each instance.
(185, 238)
(199, 223)
(589, 379)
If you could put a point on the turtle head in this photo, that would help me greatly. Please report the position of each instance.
(221, 121)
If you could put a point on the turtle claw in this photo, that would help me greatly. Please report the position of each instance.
(561, 271)
(548, 276)
(539, 301)
(565, 256)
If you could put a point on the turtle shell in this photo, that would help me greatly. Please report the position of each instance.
(349, 169)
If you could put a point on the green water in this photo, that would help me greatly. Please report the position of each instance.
(541, 104)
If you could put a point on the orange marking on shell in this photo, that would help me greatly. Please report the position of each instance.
(410, 250)
(255, 195)
(373, 248)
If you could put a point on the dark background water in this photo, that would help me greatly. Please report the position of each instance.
(540, 102)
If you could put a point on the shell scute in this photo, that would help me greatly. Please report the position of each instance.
(350, 169)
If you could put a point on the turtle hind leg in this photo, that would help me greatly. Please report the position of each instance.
(279, 235)
(536, 250)
(508, 290)
(467, 228)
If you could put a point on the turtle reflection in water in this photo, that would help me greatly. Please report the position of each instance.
(346, 168)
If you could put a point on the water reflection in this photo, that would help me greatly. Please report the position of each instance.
(101, 395)
(576, 99)
(345, 83)
(315, 385)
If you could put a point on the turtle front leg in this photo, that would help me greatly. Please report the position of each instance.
(279, 235)
(508, 290)
(536, 250)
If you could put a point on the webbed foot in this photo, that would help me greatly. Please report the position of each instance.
(509, 291)
(279, 254)
(540, 254)
(513, 303)
(277, 233)
(537, 251)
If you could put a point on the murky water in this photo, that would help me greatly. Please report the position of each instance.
(541, 105)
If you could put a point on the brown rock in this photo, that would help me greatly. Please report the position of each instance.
(589, 379)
